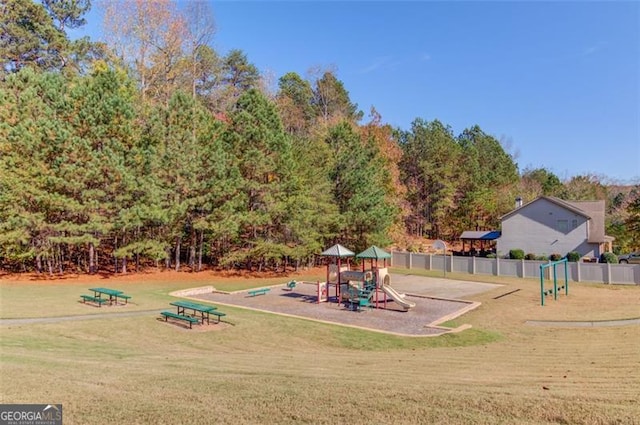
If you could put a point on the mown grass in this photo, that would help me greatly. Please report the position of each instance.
(265, 369)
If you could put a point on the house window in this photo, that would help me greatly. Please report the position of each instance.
(574, 224)
(563, 226)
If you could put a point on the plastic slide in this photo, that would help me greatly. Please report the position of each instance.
(397, 297)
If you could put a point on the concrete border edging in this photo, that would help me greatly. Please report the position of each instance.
(193, 291)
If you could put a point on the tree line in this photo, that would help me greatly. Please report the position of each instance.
(154, 149)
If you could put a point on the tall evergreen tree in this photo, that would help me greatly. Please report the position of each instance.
(331, 100)
(295, 103)
(237, 75)
(360, 179)
(104, 121)
(28, 37)
(491, 177)
(67, 13)
(257, 139)
(36, 198)
(385, 140)
(433, 177)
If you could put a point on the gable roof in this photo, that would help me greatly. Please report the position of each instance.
(564, 204)
(591, 210)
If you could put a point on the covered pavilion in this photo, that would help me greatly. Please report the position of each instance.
(486, 239)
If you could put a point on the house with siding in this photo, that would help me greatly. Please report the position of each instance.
(549, 225)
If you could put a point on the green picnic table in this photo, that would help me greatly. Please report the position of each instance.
(112, 293)
(202, 309)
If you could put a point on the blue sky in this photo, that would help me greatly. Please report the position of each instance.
(557, 82)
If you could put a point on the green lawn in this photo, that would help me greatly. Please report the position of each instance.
(267, 369)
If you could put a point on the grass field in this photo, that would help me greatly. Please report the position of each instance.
(265, 369)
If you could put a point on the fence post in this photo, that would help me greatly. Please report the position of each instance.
(542, 294)
(578, 271)
(497, 266)
(430, 265)
(522, 267)
(473, 265)
(566, 277)
(608, 280)
(410, 262)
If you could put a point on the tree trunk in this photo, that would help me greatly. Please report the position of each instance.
(124, 259)
(167, 259)
(92, 253)
(60, 260)
(178, 242)
(192, 250)
(200, 248)
(39, 263)
(115, 259)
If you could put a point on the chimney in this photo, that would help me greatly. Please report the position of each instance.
(518, 202)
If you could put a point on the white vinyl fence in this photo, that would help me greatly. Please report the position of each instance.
(619, 274)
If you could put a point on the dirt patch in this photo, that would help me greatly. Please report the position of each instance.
(156, 275)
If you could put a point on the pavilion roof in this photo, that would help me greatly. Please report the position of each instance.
(374, 252)
(484, 235)
(338, 251)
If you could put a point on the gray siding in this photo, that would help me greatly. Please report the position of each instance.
(535, 229)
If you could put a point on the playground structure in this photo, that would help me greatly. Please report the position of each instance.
(359, 289)
(554, 290)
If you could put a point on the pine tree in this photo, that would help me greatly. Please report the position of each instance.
(360, 178)
(263, 150)
(29, 38)
(491, 175)
(433, 177)
(35, 201)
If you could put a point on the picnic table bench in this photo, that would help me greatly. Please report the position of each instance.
(201, 310)
(183, 317)
(93, 299)
(126, 298)
(112, 293)
(260, 291)
(97, 297)
(218, 314)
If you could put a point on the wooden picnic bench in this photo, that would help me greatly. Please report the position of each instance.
(183, 317)
(93, 299)
(260, 291)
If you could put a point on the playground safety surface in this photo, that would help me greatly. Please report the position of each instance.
(433, 306)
